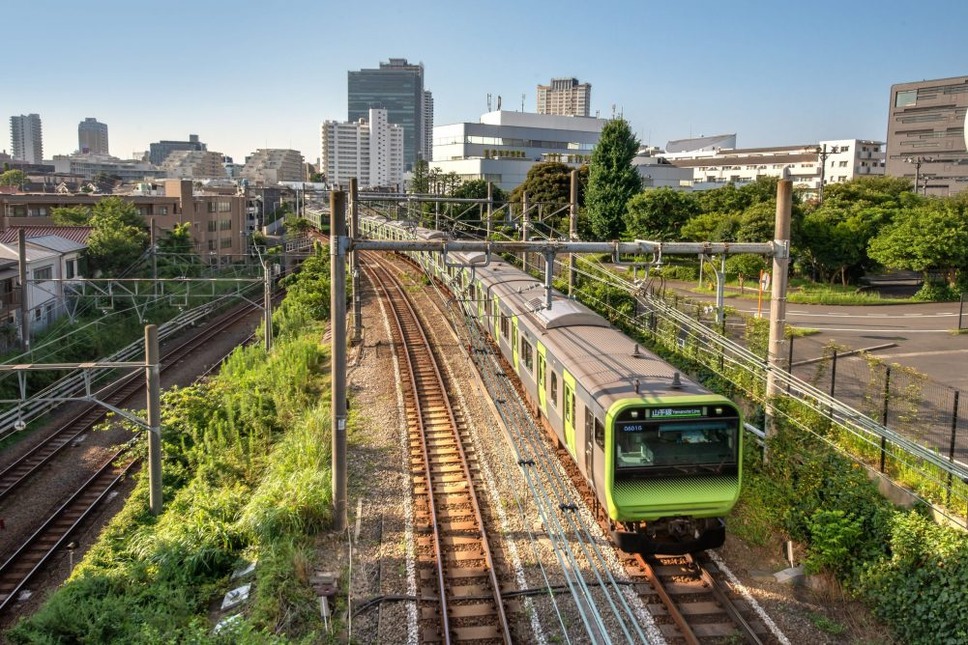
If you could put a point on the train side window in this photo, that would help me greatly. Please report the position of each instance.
(554, 389)
(527, 354)
(487, 306)
(541, 372)
(504, 326)
(600, 433)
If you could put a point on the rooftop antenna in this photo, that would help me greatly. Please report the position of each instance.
(522, 102)
(488, 101)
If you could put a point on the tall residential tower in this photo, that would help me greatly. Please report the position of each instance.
(92, 137)
(26, 138)
(397, 87)
(566, 97)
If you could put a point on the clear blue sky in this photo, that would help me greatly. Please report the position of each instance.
(244, 78)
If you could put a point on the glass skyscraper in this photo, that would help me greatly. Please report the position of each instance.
(398, 88)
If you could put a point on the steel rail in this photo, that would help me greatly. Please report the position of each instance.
(419, 357)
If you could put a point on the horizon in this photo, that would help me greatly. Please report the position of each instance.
(774, 78)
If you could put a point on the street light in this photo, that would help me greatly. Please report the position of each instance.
(824, 153)
(917, 161)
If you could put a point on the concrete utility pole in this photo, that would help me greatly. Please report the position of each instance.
(525, 228)
(781, 262)
(338, 243)
(153, 377)
(355, 264)
(24, 310)
(572, 230)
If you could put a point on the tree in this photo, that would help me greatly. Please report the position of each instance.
(612, 180)
(548, 185)
(12, 178)
(119, 237)
(176, 253)
(659, 214)
(930, 238)
(711, 227)
(71, 215)
(420, 181)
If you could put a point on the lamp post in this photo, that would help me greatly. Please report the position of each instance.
(917, 161)
(822, 151)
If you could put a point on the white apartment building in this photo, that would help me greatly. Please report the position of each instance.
(26, 137)
(809, 166)
(503, 146)
(369, 149)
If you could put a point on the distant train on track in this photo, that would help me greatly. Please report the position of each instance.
(662, 454)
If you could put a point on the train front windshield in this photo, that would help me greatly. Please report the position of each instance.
(677, 440)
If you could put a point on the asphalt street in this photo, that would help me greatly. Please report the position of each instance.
(922, 336)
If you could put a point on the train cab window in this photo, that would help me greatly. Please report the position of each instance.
(707, 444)
(554, 389)
(505, 326)
(527, 354)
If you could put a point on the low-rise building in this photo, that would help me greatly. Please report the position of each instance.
(193, 164)
(503, 146)
(809, 166)
(219, 218)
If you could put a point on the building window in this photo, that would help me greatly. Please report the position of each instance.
(225, 225)
(70, 269)
(225, 243)
(212, 245)
(212, 226)
(210, 206)
(44, 273)
(906, 98)
(162, 210)
(225, 207)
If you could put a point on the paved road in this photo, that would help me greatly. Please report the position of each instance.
(922, 334)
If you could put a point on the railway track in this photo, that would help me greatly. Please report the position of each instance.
(55, 532)
(682, 592)
(115, 394)
(455, 561)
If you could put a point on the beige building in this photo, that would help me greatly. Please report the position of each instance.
(274, 165)
(219, 221)
(194, 164)
(926, 138)
(566, 97)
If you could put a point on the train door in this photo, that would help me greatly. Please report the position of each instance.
(541, 382)
(515, 353)
(568, 413)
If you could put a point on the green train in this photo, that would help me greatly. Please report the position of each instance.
(662, 453)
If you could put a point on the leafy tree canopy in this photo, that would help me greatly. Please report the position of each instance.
(612, 180)
(12, 178)
(659, 214)
(930, 238)
(548, 185)
(119, 237)
(711, 227)
(71, 215)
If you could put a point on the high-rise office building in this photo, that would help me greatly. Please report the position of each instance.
(926, 134)
(566, 97)
(92, 136)
(26, 138)
(370, 149)
(397, 87)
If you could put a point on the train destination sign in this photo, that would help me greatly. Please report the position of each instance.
(676, 413)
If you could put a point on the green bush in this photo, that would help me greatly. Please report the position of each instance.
(921, 589)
